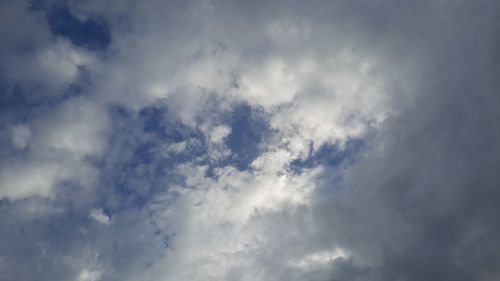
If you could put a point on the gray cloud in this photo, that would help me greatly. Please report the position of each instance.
(420, 201)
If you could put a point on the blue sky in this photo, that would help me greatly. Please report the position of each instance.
(260, 140)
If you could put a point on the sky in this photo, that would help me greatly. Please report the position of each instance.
(283, 140)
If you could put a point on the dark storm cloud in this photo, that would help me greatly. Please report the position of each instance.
(424, 200)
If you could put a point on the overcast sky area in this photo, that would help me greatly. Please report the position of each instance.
(221, 140)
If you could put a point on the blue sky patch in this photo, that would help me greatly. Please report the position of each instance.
(248, 129)
(330, 155)
(92, 33)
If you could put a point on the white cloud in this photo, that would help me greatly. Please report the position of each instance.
(319, 259)
(177, 147)
(219, 133)
(60, 63)
(87, 275)
(99, 216)
(220, 224)
(22, 179)
(271, 85)
(78, 127)
(60, 140)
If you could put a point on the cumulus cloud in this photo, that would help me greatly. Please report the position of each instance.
(212, 140)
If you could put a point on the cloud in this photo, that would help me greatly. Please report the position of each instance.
(222, 140)
(77, 127)
(21, 135)
(89, 276)
(59, 146)
(32, 59)
(98, 215)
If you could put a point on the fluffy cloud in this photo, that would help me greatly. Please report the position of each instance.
(58, 150)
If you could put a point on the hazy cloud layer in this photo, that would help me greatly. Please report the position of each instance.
(249, 140)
